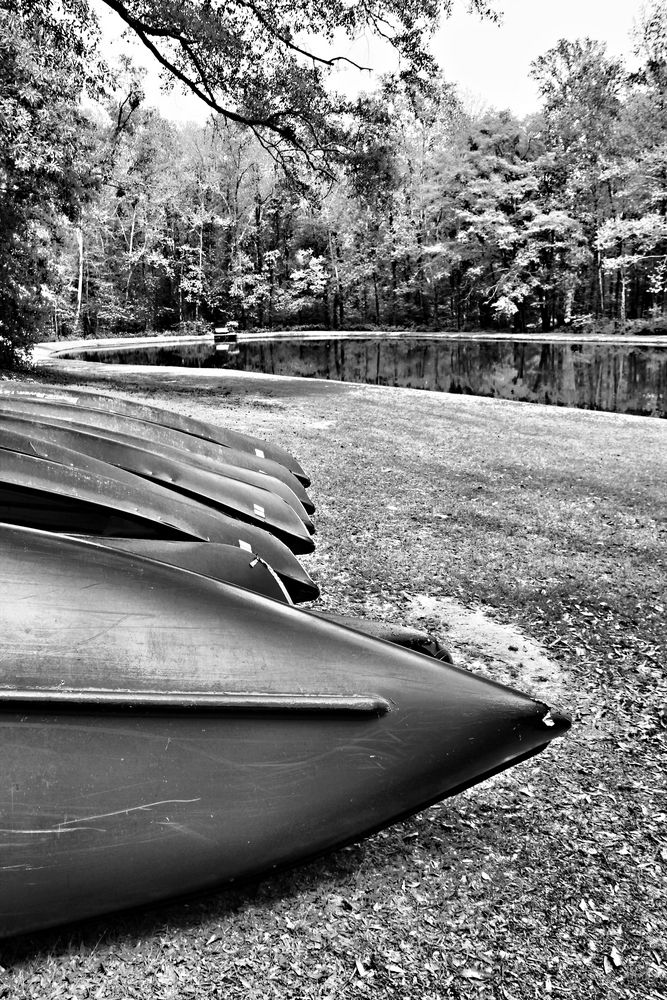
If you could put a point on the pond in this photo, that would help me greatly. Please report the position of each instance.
(621, 377)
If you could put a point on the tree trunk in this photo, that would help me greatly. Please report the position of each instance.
(129, 252)
(201, 264)
(600, 281)
(623, 306)
(376, 293)
(79, 289)
(338, 305)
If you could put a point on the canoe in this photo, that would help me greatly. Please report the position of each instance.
(134, 455)
(224, 563)
(151, 435)
(237, 499)
(401, 635)
(230, 565)
(86, 401)
(163, 733)
(88, 497)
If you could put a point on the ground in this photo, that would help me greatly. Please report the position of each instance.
(532, 540)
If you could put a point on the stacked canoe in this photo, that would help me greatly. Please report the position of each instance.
(87, 464)
(170, 720)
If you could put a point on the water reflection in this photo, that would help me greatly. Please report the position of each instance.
(622, 378)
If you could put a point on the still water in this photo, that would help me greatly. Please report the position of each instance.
(623, 377)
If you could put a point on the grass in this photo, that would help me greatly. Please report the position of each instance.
(547, 880)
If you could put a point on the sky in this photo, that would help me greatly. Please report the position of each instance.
(489, 63)
(493, 62)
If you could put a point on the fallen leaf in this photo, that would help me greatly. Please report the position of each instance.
(472, 974)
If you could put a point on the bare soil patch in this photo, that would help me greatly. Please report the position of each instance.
(481, 644)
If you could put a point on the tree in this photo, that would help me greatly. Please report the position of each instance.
(632, 242)
(43, 175)
(646, 113)
(485, 193)
(264, 63)
(582, 130)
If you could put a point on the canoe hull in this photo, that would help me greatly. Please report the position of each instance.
(134, 455)
(162, 733)
(236, 499)
(112, 811)
(86, 400)
(91, 497)
(224, 563)
(110, 423)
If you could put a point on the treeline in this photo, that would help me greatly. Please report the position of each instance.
(432, 217)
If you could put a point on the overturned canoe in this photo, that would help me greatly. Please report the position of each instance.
(88, 497)
(84, 400)
(230, 565)
(163, 733)
(153, 436)
(224, 563)
(261, 507)
(165, 465)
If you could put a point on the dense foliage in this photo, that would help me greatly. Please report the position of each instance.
(264, 63)
(258, 65)
(402, 209)
(44, 163)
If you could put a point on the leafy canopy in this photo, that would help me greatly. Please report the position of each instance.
(43, 172)
(265, 63)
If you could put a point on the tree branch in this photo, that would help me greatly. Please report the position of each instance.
(142, 30)
(293, 46)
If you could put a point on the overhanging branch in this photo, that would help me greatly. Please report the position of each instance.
(143, 30)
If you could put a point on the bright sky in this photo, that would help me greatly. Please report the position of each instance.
(489, 63)
(493, 62)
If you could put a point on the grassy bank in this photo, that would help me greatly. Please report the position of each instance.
(547, 880)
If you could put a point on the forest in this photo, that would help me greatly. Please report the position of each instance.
(424, 214)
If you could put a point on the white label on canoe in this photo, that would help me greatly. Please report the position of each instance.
(259, 453)
(244, 545)
(259, 510)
